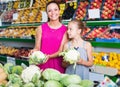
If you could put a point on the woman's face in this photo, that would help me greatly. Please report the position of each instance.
(53, 11)
(73, 30)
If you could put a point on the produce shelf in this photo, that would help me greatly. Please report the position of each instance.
(94, 43)
(3, 58)
(17, 61)
(17, 39)
(102, 22)
(89, 23)
(105, 44)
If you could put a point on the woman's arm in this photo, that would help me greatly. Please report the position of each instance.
(89, 54)
(64, 40)
(37, 40)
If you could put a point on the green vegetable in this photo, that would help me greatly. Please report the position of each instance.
(29, 85)
(39, 83)
(51, 74)
(8, 67)
(87, 83)
(14, 78)
(70, 79)
(74, 85)
(52, 83)
(17, 69)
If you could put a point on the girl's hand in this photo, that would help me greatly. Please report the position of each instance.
(80, 61)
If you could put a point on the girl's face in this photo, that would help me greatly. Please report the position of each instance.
(53, 11)
(73, 30)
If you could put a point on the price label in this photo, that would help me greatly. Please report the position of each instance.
(11, 60)
(0, 22)
(15, 16)
(94, 13)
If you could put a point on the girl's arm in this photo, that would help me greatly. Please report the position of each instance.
(89, 54)
(64, 40)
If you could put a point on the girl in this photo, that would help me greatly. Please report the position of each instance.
(75, 29)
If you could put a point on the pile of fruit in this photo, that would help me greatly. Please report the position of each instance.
(18, 32)
(107, 59)
(29, 15)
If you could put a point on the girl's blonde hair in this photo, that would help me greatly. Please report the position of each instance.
(80, 24)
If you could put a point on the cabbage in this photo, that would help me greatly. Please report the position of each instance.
(14, 78)
(37, 57)
(51, 74)
(8, 68)
(39, 83)
(17, 69)
(87, 83)
(13, 85)
(70, 79)
(71, 56)
(74, 85)
(29, 74)
(52, 83)
(29, 85)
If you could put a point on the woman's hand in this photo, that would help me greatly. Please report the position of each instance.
(47, 58)
(65, 64)
(31, 51)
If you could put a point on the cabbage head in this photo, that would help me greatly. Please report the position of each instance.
(17, 69)
(8, 68)
(15, 79)
(70, 79)
(52, 83)
(87, 83)
(74, 85)
(37, 57)
(29, 85)
(51, 74)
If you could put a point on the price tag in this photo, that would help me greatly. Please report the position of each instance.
(94, 13)
(44, 16)
(0, 22)
(15, 16)
(11, 60)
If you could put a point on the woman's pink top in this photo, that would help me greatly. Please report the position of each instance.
(50, 43)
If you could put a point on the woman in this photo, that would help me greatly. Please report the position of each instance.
(50, 38)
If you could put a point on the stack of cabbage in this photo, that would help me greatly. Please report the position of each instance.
(37, 57)
(32, 76)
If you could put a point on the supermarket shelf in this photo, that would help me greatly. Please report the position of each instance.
(24, 24)
(94, 43)
(89, 23)
(98, 23)
(17, 39)
(102, 22)
(17, 61)
(105, 44)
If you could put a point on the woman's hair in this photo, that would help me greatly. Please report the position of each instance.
(80, 24)
(54, 3)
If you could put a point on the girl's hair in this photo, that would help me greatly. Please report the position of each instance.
(54, 3)
(80, 24)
